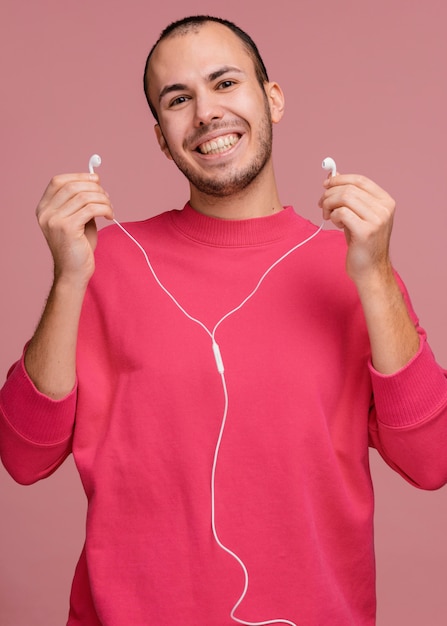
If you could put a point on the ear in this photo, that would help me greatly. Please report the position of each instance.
(276, 101)
(162, 141)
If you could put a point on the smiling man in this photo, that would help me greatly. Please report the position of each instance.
(220, 411)
(216, 121)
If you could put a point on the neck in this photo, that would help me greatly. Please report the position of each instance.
(259, 199)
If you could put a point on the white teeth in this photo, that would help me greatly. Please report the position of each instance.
(215, 146)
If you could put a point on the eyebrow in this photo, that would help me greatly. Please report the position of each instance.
(211, 77)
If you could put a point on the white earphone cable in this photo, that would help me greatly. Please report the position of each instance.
(221, 370)
(95, 161)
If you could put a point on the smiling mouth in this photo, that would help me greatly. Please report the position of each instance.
(218, 145)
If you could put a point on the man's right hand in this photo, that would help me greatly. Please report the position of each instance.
(66, 215)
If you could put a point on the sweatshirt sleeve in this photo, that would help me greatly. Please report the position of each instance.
(35, 431)
(408, 421)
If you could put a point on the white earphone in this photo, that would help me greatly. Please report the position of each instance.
(329, 164)
(95, 161)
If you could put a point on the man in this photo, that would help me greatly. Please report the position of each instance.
(218, 375)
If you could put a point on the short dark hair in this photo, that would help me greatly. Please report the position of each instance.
(194, 22)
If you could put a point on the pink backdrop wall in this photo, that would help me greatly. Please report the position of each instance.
(364, 81)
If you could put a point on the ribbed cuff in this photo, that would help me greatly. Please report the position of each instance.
(412, 395)
(33, 415)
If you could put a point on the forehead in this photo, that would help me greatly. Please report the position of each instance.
(184, 56)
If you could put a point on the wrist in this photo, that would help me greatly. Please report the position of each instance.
(71, 282)
(376, 279)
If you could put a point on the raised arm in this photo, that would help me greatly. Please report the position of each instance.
(66, 214)
(37, 410)
(365, 212)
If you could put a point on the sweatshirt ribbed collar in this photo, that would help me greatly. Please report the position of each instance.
(235, 233)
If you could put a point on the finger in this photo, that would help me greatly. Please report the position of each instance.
(328, 177)
(344, 218)
(59, 181)
(359, 181)
(75, 212)
(364, 217)
(90, 212)
(59, 196)
(374, 215)
(351, 198)
(75, 218)
(358, 200)
(82, 200)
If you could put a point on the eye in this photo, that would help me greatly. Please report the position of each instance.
(225, 84)
(178, 100)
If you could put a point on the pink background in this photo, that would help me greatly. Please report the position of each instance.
(365, 82)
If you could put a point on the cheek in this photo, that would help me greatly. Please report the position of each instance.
(171, 137)
(255, 109)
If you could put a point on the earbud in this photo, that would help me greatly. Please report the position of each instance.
(329, 164)
(95, 161)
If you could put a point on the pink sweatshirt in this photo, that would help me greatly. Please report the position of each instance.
(293, 494)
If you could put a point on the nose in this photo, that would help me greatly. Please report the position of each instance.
(207, 109)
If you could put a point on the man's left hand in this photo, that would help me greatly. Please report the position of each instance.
(365, 211)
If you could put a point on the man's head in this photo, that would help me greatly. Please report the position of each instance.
(193, 23)
(213, 104)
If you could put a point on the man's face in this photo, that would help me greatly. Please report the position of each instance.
(215, 120)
